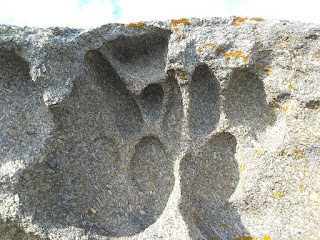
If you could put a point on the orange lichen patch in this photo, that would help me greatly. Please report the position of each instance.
(180, 74)
(319, 54)
(280, 195)
(197, 218)
(55, 31)
(175, 23)
(225, 225)
(244, 58)
(138, 24)
(290, 86)
(300, 186)
(265, 237)
(235, 54)
(219, 50)
(256, 19)
(288, 108)
(298, 153)
(183, 21)
(237, 20)
(206, 45)
(260, 67)
(227, 55)
(89, 212)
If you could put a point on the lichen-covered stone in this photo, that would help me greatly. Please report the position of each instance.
(181, 129)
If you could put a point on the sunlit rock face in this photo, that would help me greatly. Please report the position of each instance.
(179, 129)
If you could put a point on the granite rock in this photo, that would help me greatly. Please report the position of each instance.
(179, 129)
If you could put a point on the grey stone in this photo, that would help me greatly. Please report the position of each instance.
(180, 129)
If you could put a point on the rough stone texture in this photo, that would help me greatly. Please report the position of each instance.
(181, 129)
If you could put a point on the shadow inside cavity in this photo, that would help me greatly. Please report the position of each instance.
(83, 178)
(245, 102)
(207, 182)
(140, 57)
(152, 100)
(151, 170)
(204, 101)
(23, 115)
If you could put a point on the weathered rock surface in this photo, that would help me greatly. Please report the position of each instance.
(185, 129)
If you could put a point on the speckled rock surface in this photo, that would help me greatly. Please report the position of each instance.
(181, 129)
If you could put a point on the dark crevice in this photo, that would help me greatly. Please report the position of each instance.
(207, 182)
(152, 100)
(245, 102)
(204, 101)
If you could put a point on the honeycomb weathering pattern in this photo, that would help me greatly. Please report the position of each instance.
(186, 129)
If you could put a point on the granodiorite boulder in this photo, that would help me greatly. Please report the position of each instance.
(181, 129)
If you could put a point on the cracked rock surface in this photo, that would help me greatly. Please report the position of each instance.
(179, 129)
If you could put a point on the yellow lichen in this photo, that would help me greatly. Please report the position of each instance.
(138, 24)
(212, 238)
(260, 67)
(227, 55)
(89, 212)
(235, 54)
(256, 19)
(265, 237)
(197, 218)
(237, 20)
(183, 21)
(300, 186)
(280, 195)
(219, 50)
(319, 54)
(298, 153)
(180, 74)
(245, 58)
(175, 23)
(290, 86)
(55, 31)
(206, 45)
(256, 151)
(241, 168)
(288, 108)
(225, 225)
